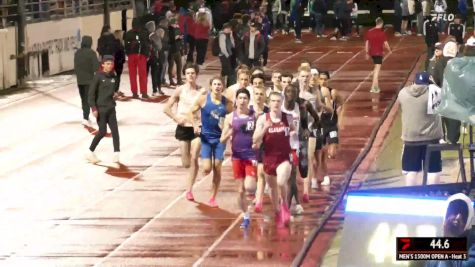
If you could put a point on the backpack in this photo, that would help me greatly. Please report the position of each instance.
(215, 50)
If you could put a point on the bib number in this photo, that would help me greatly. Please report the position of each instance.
(333, 134)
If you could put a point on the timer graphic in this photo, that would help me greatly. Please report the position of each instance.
(427, 248)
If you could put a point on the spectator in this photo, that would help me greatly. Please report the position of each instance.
(153, 62)
(254, 46)
(354, 16)
(431, 37)
(439, 47)
(462, 7)
(106, 44)
(226, 55)
(85, 65)
(319, 11)
(419, 129)
(202, 29)
(119, 57)
(176, 48)
(397, 17)
(440, 7)
(137, 48)
(163, 57)
(457, 30)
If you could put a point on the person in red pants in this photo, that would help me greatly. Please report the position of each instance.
(137, 48)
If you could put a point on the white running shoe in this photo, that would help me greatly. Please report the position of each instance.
(115, 158)
(326, 180)
(314, 183)
(91, 157)
(333, 38)
(298, 209)
(86, 123)
(442, 141)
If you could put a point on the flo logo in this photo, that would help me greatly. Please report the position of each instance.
(442, 16)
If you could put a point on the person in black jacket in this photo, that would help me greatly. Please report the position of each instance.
(85, 64)
(176, 52)
(153, 63)
(102, 95)
(119, 57)
(106, 44)
(430, 31)
(137, 48)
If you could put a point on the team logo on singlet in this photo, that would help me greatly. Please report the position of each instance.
(215, 114)
(280, 129)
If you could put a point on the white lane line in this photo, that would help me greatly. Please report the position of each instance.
(217, 241)
(160, 214)
(348, 61)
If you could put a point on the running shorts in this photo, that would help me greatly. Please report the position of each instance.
(377, 60)
(413, 158)
(243, 168)
(272, 162)
(185, 133)
(212, 150)
(330, 135)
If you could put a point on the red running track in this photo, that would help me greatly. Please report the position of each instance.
(58, 210)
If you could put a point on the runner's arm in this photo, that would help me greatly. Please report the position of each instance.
(168, 106)
(312, 112)
(327, 104)
(229, 105)
(261, 127)
(227, 129)
(386, 44)
(340, 111)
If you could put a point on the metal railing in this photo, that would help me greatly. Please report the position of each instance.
(43, 10)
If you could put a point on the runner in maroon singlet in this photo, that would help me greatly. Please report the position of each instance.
(274, 130)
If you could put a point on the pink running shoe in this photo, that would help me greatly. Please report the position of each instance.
(189, 196)
(212, 203)
(258, 207)
(278, 219)
(306, 198)
(285, 214)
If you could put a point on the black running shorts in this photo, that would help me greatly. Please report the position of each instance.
(413, 158)
(184, 133)
(377, 60)
(330, 135)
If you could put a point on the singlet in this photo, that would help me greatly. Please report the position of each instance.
(295, 113)
(188, 97)
(212, 118)
(264, 111)
(276, 139)
(330, 119)
(312, 98)
(243, 129)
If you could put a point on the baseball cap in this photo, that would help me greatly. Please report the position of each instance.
(470, 41)
(439, 46)
(422, 78)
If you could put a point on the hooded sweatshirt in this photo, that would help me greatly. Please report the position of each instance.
(85, 62)
(417, 125)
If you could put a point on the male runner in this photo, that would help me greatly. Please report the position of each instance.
(240, 125)
(260, 108)
(214, 107)
(185, 96)
(331, 123)
(298, 108)
(274, 130)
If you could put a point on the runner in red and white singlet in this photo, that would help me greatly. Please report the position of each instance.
(274, 131)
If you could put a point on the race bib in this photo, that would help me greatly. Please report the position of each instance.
(333, 134)
(250, 126)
